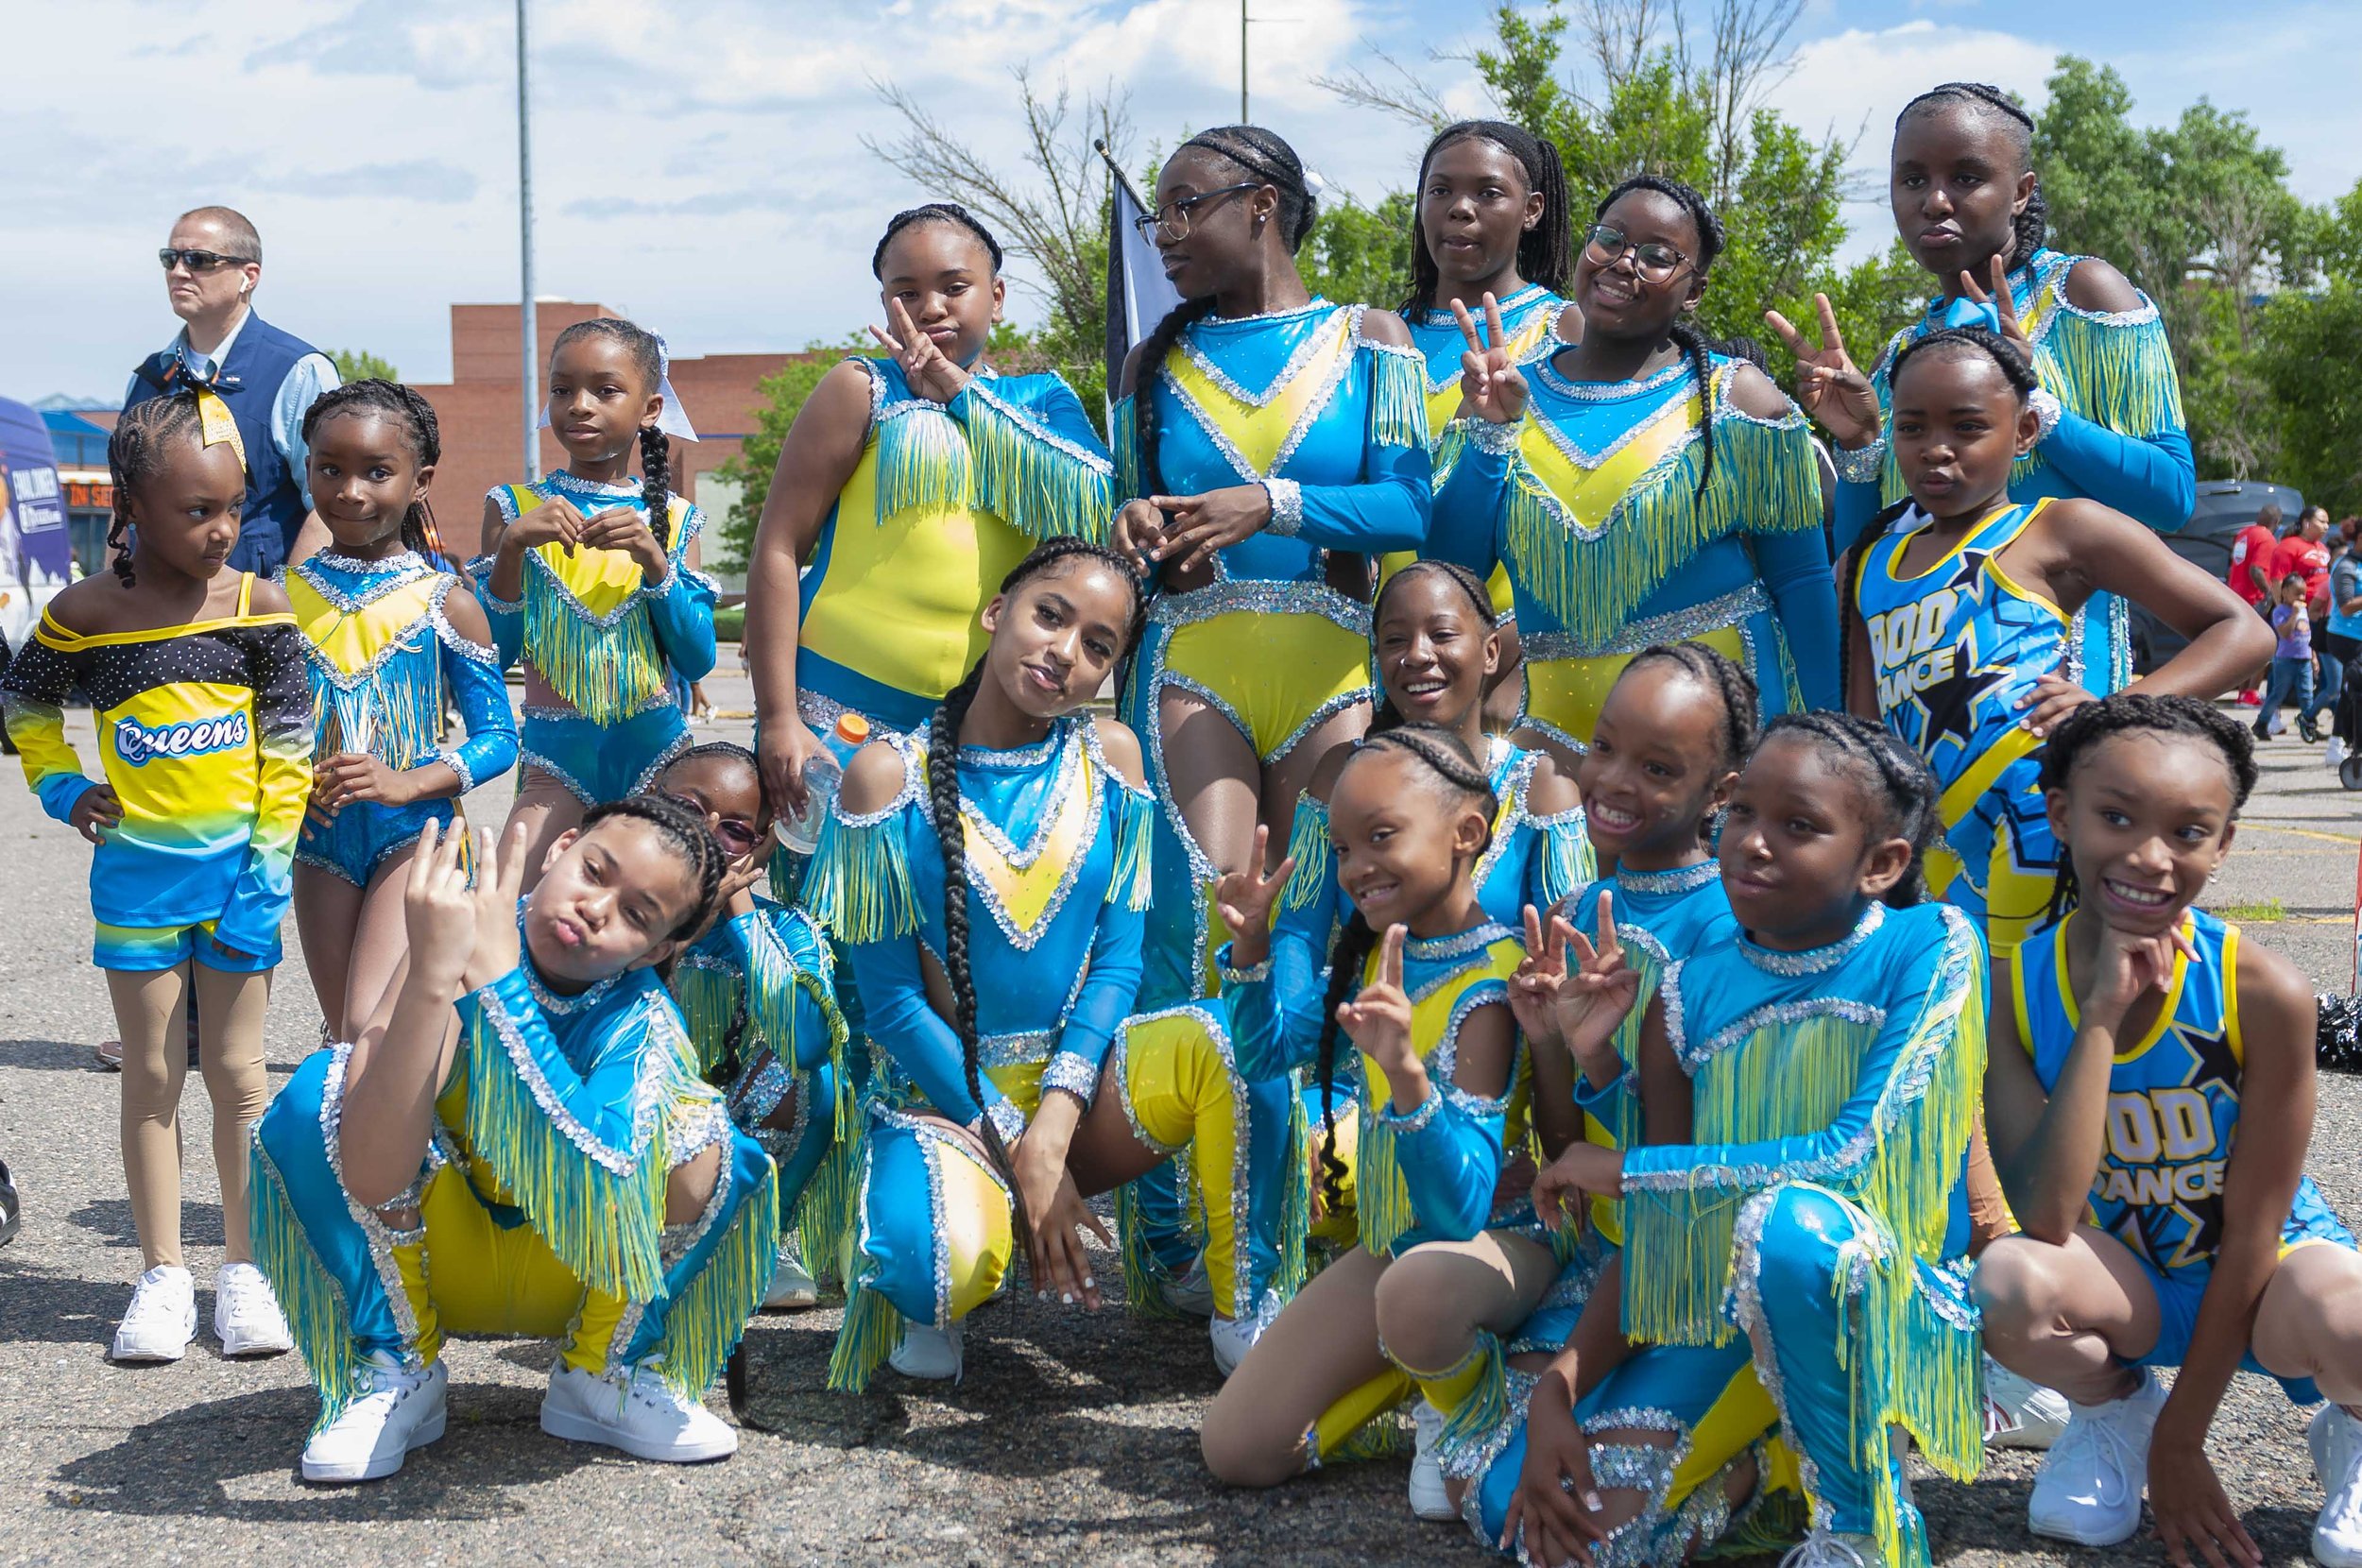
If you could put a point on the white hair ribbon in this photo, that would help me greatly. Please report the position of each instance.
(1315, 184)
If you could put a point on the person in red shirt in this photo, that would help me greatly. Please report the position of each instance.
(2305, 551)
(2250, 575)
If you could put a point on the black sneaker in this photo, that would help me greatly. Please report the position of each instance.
(12, 1208)
(2307, 728)
(2263, 729)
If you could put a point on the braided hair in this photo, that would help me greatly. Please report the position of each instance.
(1905, 789)
(2082, 731)
(1955, 341)
(1686, 336)
(136, 454)
(656, 448)
(1732, 685)
(1471, 588)
(1448, 758)
(2029, 227)
(943, 812)
(685, 833)
(933, 212)
(421, 434)
(1261, 155)
(1545, 252)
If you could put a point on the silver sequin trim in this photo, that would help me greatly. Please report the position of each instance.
(1287, 507)
(1683, 878)
(1730, 609)
(1815, 961)
(1859, 465)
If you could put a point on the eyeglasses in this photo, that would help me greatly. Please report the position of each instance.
(1172, 219)
(197, 261)
(738, 838)
(1653, 262)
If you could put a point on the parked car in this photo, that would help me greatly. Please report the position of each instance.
(2224, 506)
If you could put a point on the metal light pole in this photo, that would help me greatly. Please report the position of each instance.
(1244, 118)
(527, 333)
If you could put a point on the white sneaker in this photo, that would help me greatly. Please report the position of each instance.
(1232, 1338)
(1194, 1292)
(1829, 1549)
(246, 1319)
(635, 1409)
(161, 1318)
(792, 1285)
(1428, 1499)
(2089, 1490)
(2280, 724)
(403, 1410)
(2336, 754)
(2335, 1439)
(935, 1355)
(2020, 1412)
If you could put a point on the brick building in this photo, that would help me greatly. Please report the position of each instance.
(479, 413)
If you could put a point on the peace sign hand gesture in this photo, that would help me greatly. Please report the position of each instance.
(1379, 1021)
(437, 907)
(2004, 306)
(1491, 388)
(1596, 996)
(1533, 989)
(1245, 898)
(924, 364)
(500, 880)
(1829, 386)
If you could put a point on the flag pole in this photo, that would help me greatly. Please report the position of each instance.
(528, 334)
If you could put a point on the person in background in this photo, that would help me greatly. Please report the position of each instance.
(2250, 573)
(268, 378)
(2292, 661)
(2341, 634)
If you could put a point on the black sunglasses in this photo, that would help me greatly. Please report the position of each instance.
(1173, 218)
(197, 261)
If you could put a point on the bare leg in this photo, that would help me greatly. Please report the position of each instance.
(379, 942)
(1323, 1347)
(328, 915)
(1213, 774)
(688, 1185)
(230, 1010)
(2309, 1323)
(1286, 779)
(147, 1008)
(1438, 1295)
(2067, 1317)
(1104, 1152)
(550, 809)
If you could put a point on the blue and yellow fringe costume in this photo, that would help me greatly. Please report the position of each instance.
(203, 734)
(540, 1207)
(2119, 439)
(382, 657)
(610, 648)
(1590, 500)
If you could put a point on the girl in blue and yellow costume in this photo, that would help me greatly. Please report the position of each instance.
(195, 677)
(2150, 1102)
(907, 488)
(1435, 647)
(1669, 740)
(389, 637)
(1441, 1101)
(1266, 443)
(544, 1162)
(2111, 430)
(988, 881)
(758, 994)
(1828, 1052)
(1641, 488)
(586, 579)
(1962, 609)
(1491, 217)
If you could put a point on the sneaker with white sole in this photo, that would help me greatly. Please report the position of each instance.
(2089, 1490)
(1192, 1294)
(1829, 1549)
(2335, 1439)
(793, 1288)
(1231, 1339)
(2335, 755)
(1428, 1499)
(246, 1319)
(2020, 1412)
(370, 1437)
(636, 1410)
(934, 1355)
(161, 1318)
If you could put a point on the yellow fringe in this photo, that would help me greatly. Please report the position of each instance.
(1129, 887)
(1037, 488)
(607, 672)
(313, 1302)
(872, 1329)
(1308, 840)
(922, 461)
(859, 882)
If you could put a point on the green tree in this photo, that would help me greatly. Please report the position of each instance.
(1360, 255)
(783, 392)
(359, 364)
(2308, 343)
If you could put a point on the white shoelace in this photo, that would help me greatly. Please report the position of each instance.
(1823, 1550)
(153, 1299)
(2101, 1445)
(246, 1293)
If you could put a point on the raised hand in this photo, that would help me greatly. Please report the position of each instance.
(438, 907)
(1379, 1021)
(2004, 306)
(1245, 898)
(1139, 528)
(1829, 386)
(928, 369)
(1533, 989)
(500, 880)
(2128, 964)
(625, 528)
(1491, 388)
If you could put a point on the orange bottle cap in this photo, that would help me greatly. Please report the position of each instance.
(852, 728)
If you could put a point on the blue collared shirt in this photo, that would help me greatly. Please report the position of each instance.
(312, 375)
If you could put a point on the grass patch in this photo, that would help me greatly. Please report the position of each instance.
(2262, 914)
(730, 626)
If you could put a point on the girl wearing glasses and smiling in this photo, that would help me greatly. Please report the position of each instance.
(1967, 204)
(1641, 488)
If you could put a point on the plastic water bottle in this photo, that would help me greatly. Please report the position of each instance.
(823, 773)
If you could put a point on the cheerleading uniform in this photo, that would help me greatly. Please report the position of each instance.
(1591, 500)
(382, 658)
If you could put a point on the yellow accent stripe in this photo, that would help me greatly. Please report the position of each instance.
(1259, 432)
(66, 642)
(2230, 994)
(1591, 494)
(2166, 1008)
(1970, 786)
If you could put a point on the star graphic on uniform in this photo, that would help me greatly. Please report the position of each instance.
(1950, 703)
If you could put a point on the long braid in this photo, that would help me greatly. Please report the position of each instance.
(1545, 252)
(2028, 228)
(1450, 758)
(1686, 337)
(1480, 599)
(1905, 790)
(135, 452)
(656, 475)
(2082, 731)
(1692, 343)
(423, 434)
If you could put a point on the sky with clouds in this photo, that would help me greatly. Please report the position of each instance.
(700, 163)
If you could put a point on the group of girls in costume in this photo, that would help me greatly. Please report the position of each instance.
(1499, 985)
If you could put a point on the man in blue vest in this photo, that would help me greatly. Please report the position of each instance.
(268, 378)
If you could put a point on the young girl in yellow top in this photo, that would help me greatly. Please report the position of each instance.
(195, 681)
